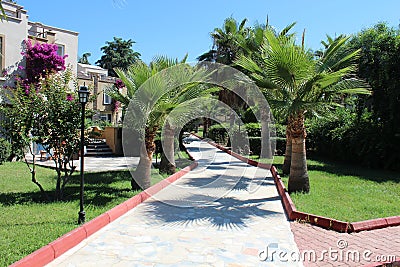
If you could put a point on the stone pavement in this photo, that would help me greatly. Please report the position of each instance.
(95, 164)
(223, 213)
(355, 249)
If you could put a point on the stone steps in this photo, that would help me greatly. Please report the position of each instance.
(98, 148)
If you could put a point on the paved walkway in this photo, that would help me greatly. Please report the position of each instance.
(223, 213)
(96, 164)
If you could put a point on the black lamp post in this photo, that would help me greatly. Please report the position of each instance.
(83, 99)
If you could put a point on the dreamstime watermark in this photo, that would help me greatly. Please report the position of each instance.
(341, 253)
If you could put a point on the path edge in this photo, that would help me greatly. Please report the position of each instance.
(294, 215)
(56, 248)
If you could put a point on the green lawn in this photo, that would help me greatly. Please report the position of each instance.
(347, 192)
(27, 223)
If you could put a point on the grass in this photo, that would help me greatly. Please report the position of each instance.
(27, 223)
(347, 192)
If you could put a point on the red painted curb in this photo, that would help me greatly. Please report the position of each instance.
(281, 188)
(38, 258)
(54, 249)
(133, 202)
(96, 224)
(327, 223)
(288, 205)
(293, 214)
(393, 221)
(117, 211)
(369, 225)
(68, 241)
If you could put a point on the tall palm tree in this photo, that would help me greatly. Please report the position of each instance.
(228, 43)
(152, 94)
(297, 85)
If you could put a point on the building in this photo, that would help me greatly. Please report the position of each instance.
(97, 80)
(17, 28)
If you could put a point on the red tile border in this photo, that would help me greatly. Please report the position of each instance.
(383, 264)
(54, 249)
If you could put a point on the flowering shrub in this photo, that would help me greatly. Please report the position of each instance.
(119, 84)
(41, 59)
(116, 106)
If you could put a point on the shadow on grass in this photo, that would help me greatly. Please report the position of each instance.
(323, 164)
(345, 169)
(100, 189)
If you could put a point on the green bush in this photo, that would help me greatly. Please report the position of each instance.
(5, 150)
(255, 145)
(347, 137)
(280, 138)
(218, 133)
(253, 129)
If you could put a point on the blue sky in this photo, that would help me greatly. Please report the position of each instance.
(174, 28)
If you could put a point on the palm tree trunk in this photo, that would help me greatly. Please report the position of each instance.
(142, 175)
(288, 153)
(298, 178)
(266, 149)
(167, 164)
(205, 127)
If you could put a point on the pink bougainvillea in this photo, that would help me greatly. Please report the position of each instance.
(119, 84)
(116, 106)
(70, 97)
(42, 59)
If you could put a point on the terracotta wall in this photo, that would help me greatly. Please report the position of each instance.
(113, 136)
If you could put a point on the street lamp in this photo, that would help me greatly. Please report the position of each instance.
(83, 99)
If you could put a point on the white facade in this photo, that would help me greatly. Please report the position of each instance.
(17, 28)
(85, 69)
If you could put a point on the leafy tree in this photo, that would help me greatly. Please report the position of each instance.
(227, 42)
(296, 85)
(47, 115)
(43, 109)
(375, 131)
(84, 59)
(154, 101)
(5, 150)
(117, 54)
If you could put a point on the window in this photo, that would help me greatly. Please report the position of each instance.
(60, 50)
(106, 99)
(105, 117)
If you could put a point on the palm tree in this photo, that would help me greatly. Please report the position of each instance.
(228, 43)
(84, 59)
(297, 85)
(152, 93)
(2, 11)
